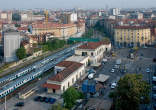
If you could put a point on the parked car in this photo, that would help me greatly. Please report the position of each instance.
(154, 106)
(52, 100)
(91, 76)
(116, 66)
(154, 59)
(147, 70)
(154, 78)
(154, 96)
(37, 98)
(113, 85)
(77, 86)
(19, 104)
(91, 71)
(112, 70)
(42, 99)
(47, 100)
(154, 88)
(148, 108)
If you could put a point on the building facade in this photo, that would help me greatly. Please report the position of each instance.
(132, 36)
(11, 44)
(95, 50)
(66, 74)
(68, 18)
(115, 11)
(58, 30)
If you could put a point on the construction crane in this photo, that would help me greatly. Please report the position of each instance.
(46, 19)
(46, 16)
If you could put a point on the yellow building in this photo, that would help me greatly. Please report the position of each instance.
(132, 36)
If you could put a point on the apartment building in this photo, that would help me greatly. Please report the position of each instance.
(95, 50)
(132, 36)
(67, 73)
(68, 18)
(58, 30)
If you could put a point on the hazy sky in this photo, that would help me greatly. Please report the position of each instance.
(9, 4)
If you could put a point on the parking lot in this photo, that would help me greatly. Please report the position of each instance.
(140, 64)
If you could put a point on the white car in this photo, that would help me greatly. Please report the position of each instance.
(147, 70)
(116, 66)
(113, 85)
(91, 76)
(113, 70)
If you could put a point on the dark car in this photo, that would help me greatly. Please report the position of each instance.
(154, 106)
(154, 88)
(37, 98)
(41, 99)
(154, 96)
(52, 100)
(19, 104)
(154, 59)
(47, 100)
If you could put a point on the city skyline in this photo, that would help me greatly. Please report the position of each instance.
(59, 4)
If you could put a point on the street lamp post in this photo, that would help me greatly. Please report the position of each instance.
(5, 103)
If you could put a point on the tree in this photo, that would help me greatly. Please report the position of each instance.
(70, 96)
(53, 44)
(57, 107)
(89, 33)
(131, 92)
(21, 53)
(105, 39)
(16, 17)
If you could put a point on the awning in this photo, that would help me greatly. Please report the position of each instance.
(52, 86)
(102, 78)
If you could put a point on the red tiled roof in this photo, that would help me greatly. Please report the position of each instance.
(52, 86)
(64, 64)
(70, 68)
(93, 45)
(131, 27)
(51, 25)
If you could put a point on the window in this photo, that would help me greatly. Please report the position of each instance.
(72, 80)
(92, 54)
(68, 84)
(54, 90)
(63, 88)
(84, 53)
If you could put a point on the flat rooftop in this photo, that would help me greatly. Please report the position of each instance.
(76, 58)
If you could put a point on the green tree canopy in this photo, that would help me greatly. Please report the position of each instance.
(105, 39)
(16, 17)
(89, 33)
(131, 92)
(53, 44)
(21, 53)
(70, 96)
